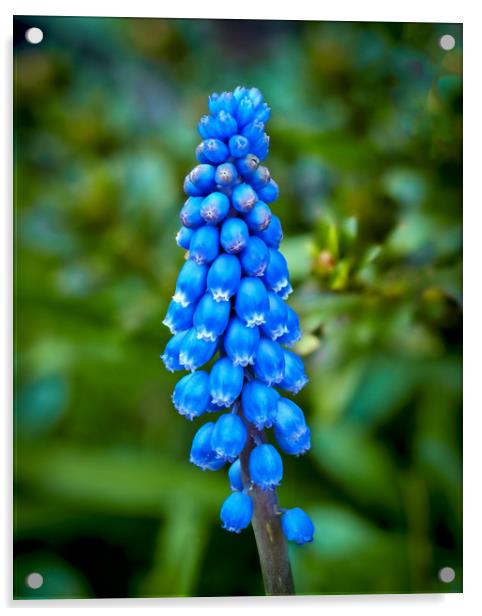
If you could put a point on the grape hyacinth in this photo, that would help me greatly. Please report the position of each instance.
(229, 305)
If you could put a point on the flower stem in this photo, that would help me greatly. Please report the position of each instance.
(272, 546)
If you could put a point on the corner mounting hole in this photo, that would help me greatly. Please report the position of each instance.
(34, 36)
(446, 575)
(447, 42)
(34, 580)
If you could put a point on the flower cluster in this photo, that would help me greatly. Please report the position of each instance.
(230, 299)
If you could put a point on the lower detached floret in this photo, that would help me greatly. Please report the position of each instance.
(236, 512)
(297, 526)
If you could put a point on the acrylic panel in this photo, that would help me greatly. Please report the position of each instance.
(238, 248)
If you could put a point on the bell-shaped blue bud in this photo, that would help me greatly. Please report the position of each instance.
(293, 333)
(204, 246)
(294, 447)
(260, 177)
(258, 218)
(262, 114)
(214, 103)
(236, 512)
(191, 394)
(259, 404)
(210, 317)
(207, 127)
(228, 102)
(190, 215)
(225, 382)
(297, 526)
(202, 454)
(276, 276)
(226, 125)
(294, 378)
(269, 362)
(247, 164)
(255, 96)
(199, 152)
(214, 151)
(229, 437)
(224, 277)
(261, 147)
(252, 304)
(245, 111)
(178, 317)
(276, 317)
(191, 283)
(265, 466)
(214, 208)
(239, 93)
(270, 192)
(194, 351)
(289, 420)
(203, 126)
(243, 198)
(189, 188)
(170, 357)
(253, 131)
(238, 146)
(240, 342)
(184, 237)
(255, 256)
(226, 174)
(273, 234)
(200, 181)
(234, 235)
(235, 476)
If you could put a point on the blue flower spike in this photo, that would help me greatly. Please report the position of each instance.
(229, 306)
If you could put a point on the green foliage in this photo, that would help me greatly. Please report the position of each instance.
(366, 148)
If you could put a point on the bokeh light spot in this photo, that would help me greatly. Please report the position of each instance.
(34, 580)
(34, 36)
(447, 42)
(446, 575)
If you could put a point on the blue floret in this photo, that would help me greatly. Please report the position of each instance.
(265, 467)
(236, 512)
(297, 526)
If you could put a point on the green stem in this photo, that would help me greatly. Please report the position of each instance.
(272, 546)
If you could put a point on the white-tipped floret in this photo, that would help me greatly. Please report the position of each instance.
(256, 318)
(180, 298)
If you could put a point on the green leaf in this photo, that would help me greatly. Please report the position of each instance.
(327, 236)
(297, 251)
(384, 385)
(115, 480)
(346, 552)
(357, 463)
(348, 234)
(177, 559)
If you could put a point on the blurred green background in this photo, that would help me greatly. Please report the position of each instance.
(366, 136)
